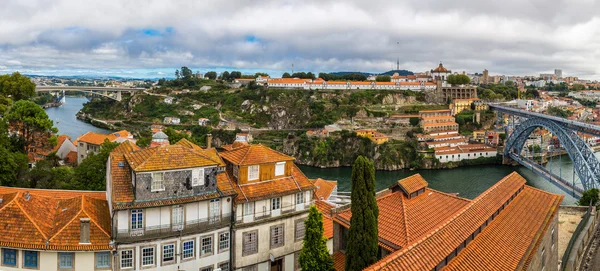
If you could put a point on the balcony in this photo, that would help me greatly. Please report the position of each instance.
(172, 230)
(264, 214)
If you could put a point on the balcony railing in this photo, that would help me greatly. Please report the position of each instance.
(167, 230)
(267, 212)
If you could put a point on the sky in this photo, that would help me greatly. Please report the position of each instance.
(151, 38)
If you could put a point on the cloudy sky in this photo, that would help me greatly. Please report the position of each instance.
(150, 38)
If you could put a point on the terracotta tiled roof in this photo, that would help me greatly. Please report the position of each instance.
(324, 188)
(59, 141)
(50, 219)
(339, 261)
(254, 155)
(444, 239)
(440, 68)
(225, 184)
(435, 111)
(210, 154)
(274, 188)
(120, 179)
(126, 147)
(520, 226)
(325, 209)
(403, 221)
(412, 183)
(71, 157)
(449, 123)
(95, 138)
(167, 157)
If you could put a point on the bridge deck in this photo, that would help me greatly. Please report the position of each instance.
(122, 89)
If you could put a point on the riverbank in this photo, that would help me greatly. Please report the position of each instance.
(65, 119)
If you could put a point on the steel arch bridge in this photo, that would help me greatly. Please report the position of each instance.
(585, 163)
(114, 93)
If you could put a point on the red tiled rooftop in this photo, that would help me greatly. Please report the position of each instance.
(324, 188)
(295, 183)
(412, 183)
(254, 155)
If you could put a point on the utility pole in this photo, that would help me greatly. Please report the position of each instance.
(398, 61)
(292, 68)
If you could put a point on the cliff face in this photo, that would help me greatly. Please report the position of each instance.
(343, 150)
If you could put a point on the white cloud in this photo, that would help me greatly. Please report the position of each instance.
(505, 37)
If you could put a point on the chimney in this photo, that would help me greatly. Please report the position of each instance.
(84, 231)
(209, 141)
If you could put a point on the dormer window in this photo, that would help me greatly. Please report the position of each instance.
(158, 182)
(235, 171)
(253, 172)
(280, 169)
(198, 177)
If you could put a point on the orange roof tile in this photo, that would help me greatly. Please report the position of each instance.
(71, 157)
(167, 157)
(450, 123)
(520, 226)
(126, 147)
(412, 183)
(59, 141)
(325, 209)
(324, 188)
(121, 187)
(435, 111)
(50, 219)
(339, 261)
(274, 188)
(95, 138)
(444, 239)
(254, 155)
(211, 153)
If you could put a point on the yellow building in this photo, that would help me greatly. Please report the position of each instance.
(479, 136)
(458, 105)
(377, 137)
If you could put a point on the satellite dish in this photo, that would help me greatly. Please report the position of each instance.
(271, 257)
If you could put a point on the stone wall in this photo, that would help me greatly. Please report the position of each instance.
(549, 246)
(176, 184)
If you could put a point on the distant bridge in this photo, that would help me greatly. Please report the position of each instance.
(114, 93)
(585, 163)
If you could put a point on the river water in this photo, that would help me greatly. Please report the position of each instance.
(468, 182)
(67, 123)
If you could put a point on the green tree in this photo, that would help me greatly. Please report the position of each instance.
(225, 76)
(578, 87)
(286, 75)
(16, 86)
(414, 121)
(363, 234)
(177, 74)
(263, 74)
(11, 165)
(29, 118)
(91, 173)
(236, 74)
(314, 254)
(509, 83)
(383, 78)
(186, 73)
(310, 75)
(589, 196)
(175, 136)
(211, 75)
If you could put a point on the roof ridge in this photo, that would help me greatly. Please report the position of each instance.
(404, 213)
(9, 202)
(29, 217)
(449, 195)
(245, 154)
(68, 223)
(90, 217)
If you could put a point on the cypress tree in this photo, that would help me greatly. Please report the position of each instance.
(362, 247)
(314, 254)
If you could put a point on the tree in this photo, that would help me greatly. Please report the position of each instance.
(225, 76)
(236, 75)
(29, 118)
(16, 86)
(362, 249)
(186, 73)
(91, 173)
(383, 78)
(263, 74)
(509, 83)
(589, 196)
(314, 254)
(414, 121)
(177, 74)
(211, 75)
(578, 87)
(458, 79)
(310, 75)
(286, 75)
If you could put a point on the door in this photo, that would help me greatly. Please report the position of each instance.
(277, 265)
(215, 211)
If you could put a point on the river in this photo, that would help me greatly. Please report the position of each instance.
(67, 123)
(468, 182)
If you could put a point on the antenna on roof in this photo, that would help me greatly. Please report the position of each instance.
(27, 196)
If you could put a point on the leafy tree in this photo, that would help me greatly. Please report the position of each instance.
(211, 75)
(458, 79)
(558, 112)
(236, 75)
(225, 76)
(509, 83)
(589, 196)
(11, 165)
(175, 136)
(414, 121)
(314, 254)
(310, 75)
(16, 86)
(532, 93)
(286, 75)
(177, 74)
(186, 73)
(91, 173)
(263, 74)
(29, 118)
(363, 233)
(383, 78)
(578, 87)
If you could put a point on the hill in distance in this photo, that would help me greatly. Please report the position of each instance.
(400, 72)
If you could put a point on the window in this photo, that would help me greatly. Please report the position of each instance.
(280, 169)
(250, 244)
(127, 258)
(9, 257)
(168, 253)
(277, 236)
(188, 249)
(102, 260)
(224, 266)
(147, 256)
(253, 173)
(158, 182)
(198, 177)
(208, 268)
(250, 268)
(65, 260)
(223, 241)
(275, 203)
(30, 259)
(137, 217)
(235, 171)
(207, 246)
(300, 198)
(215, 211)
(249, 208)
(177, 217)
(299, 232)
